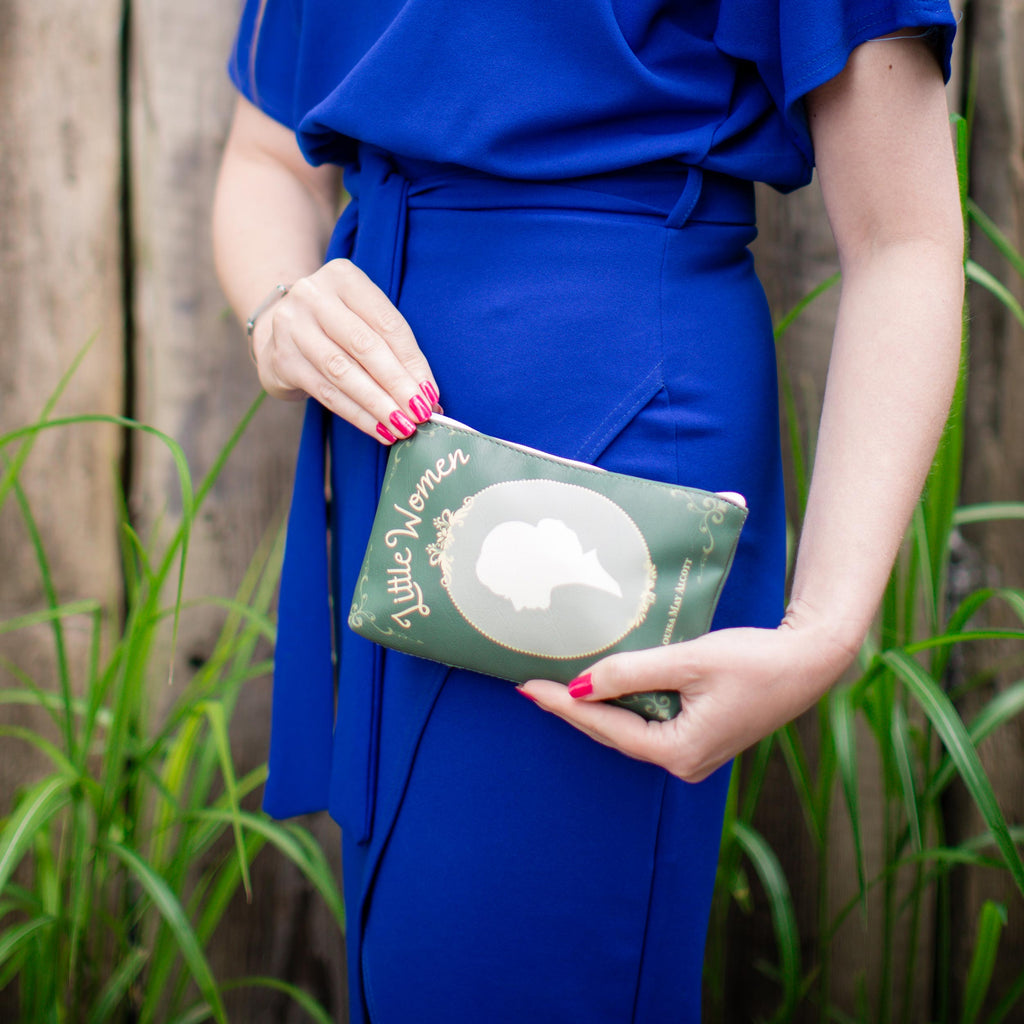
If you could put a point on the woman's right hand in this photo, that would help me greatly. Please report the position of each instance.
(336, 337)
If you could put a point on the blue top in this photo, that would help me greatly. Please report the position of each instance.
(549, 89)
(530, 90)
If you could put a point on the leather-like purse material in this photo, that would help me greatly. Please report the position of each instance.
(504, 560)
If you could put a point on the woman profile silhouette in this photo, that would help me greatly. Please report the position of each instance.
(524, 563)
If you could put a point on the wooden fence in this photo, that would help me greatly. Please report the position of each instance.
(112, 119)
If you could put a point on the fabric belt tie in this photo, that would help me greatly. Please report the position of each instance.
(315, 753)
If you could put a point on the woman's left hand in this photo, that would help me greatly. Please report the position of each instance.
(736, 686)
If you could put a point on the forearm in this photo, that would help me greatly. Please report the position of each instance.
(888, 178)
(892, 371)
(272, 217)
(335, 336)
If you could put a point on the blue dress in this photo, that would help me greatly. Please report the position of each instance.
(558, 196)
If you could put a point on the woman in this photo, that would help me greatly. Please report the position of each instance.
(551, 209)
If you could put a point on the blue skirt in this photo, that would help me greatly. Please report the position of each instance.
(499, 865)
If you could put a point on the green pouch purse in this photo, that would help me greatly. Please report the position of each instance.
(494, 557)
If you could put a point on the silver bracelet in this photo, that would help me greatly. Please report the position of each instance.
(279, 292)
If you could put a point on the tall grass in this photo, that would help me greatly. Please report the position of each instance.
(896, 716)
(118, 864)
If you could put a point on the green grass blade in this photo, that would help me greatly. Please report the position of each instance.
(1001, 709)
(78, 868)
(971, 636)
(13, 469)
(787, 321)
(117, 986)
(984, 839)
(844, 739)
(988, 512)
(214, 712)
(943, 860)
(997, 712)
(947, 857)
(798, 455)
(788, 739)
(962, 126)
(1006, 248)
(796, 450)
(975, 601)
(172, 912)
(171, 786)
(929, 533)
(980, 276)
(60, 762)
(297, 845)
(52, 600)
(135, 561)
(33, 696)
(756, 771)
(198, 1014)
(320, 872)
(46, 615)
(218, 898)
(979, 975)
(787, 937)
(899, 734)
(35, 810)
(942, 488)
(943, 716)
(262, 623)
(206, 484)
(13, 939)
(303, 999)
(1008, 1003)
(190, 504)
(180, 544)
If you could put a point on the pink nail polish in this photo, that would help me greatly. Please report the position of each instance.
(419, 409)
(528, 696)
(581, 686)
(430, 393)
(386, 434)
(401, 423)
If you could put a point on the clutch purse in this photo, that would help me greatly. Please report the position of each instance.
(493, 557)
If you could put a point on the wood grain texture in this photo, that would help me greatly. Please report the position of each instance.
(994, 457)
(60, 286)
(194, 381)
(61, 221)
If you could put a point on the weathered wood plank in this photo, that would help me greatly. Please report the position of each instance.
(194, 380)
(60, 285)
(994, 467)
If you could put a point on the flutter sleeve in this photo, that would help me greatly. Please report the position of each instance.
(265, 56)
(798, 45)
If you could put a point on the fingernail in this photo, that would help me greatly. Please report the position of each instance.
(420, 410)
(528, 696)
(430, 393)
(401, 423)
(386, 434)
(581, 686)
